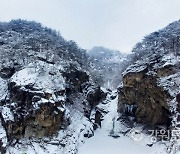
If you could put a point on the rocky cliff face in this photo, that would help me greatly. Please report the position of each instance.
(147, 91)
(150, 89)
(35, 104)
(46, 94)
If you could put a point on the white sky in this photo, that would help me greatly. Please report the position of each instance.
(115, 24)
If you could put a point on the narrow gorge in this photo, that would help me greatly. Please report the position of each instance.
(56, 98)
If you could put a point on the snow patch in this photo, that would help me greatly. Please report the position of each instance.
(7, 114)
(40, 78)
(103, 141)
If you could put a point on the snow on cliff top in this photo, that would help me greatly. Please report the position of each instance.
(154, 61)
(45, 77)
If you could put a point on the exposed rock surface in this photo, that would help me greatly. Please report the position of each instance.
(150, 88)
(45, 90)
(7, 72)
(95, 96)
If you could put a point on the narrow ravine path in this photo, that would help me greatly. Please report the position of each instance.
(103, 143)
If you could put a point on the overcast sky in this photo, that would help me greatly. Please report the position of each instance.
(115, 24)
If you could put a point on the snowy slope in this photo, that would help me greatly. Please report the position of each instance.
(44, 84)
(103, 141)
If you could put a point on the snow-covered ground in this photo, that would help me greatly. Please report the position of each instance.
(104, 143)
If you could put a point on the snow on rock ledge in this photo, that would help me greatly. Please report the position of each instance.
(36, 102)
(46, 78)
(151, 84)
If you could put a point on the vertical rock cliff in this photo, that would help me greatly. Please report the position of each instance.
(150, 90)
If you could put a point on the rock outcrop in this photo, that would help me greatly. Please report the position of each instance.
(94, 96)
(149, 90)
(149, 93)
(34, 106)
(46, 92)
(7, 72)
